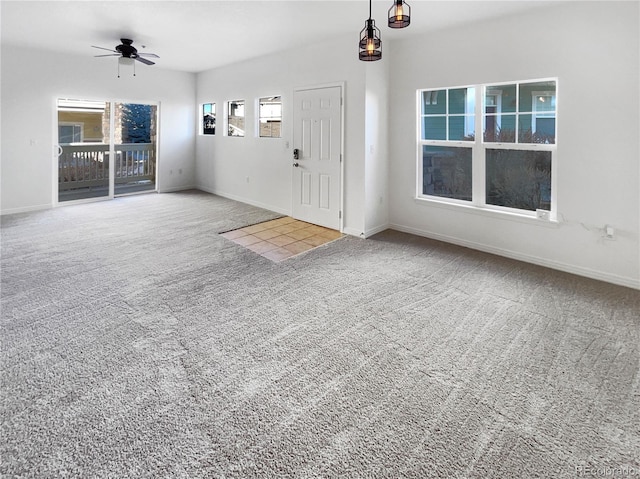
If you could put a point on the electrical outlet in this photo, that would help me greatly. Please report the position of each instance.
(542, 214)
(609, 232)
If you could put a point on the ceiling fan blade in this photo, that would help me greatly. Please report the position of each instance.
(109, 55)
(144, 60)
(152, 55)
(102, 48)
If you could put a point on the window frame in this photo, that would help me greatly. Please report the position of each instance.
(228, 117)
(74, 124)
(479, 149)
(447, 115)
(259, 116)
(202, 114)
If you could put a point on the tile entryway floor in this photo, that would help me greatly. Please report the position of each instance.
(282, 238)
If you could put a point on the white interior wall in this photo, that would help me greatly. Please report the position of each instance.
(593, 50)
(592, 47)
(31, 83)
(376, 147)
(258, 170)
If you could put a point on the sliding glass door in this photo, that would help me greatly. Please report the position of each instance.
(83, 149)
(105, 149)
(135, 148)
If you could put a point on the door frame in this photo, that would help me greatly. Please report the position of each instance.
(321, 86)
(55, 148)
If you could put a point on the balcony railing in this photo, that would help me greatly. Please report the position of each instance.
(87, 165)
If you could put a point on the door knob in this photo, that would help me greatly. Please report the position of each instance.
(296, 164)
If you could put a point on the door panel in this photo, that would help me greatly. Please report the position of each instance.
(83, 149)
(325, 139)
(306, 189)
(325, 192)
(305, 140)
(317, 171)
(135, 148)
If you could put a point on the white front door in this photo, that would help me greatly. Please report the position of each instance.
(318, 146)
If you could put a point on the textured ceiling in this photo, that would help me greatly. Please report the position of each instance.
(199, 35)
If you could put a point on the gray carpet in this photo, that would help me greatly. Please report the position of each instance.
(137, 342)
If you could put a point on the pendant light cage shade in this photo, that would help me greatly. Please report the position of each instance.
(370, 43)
(399, 14)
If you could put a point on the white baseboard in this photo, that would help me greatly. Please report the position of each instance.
(567, 268)
(25, 209)
(373, 231)
(173, 189)
(257, 204)
(28, 209)
(353, 232)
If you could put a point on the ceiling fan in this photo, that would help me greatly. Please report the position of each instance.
(127, 50)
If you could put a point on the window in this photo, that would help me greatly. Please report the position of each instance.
(448, 114)
(235, 118)
(519, 179)
(430, 97)
(446, 172)
(543, 120)
(270, 117)
(81, 121)
(69, 133)
(520, 112)
(209, 119)
(514, 156)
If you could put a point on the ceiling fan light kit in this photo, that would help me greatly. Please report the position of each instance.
(370, 45)
(126, 61)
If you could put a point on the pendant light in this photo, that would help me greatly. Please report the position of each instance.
(399, 14)
(370, 43)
